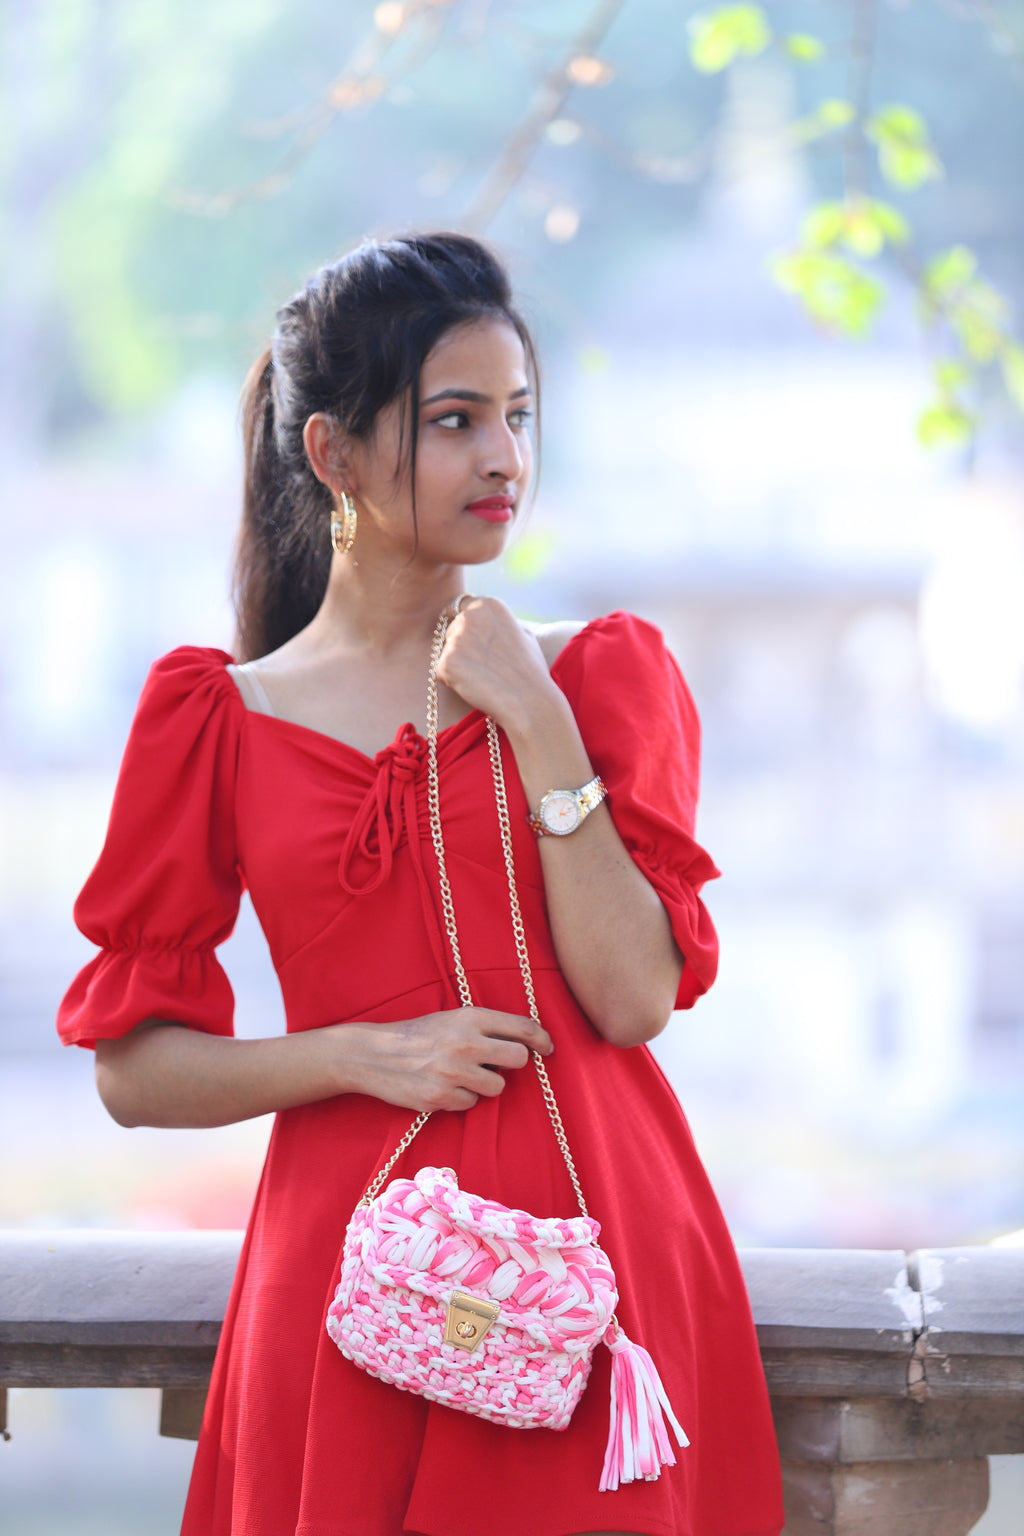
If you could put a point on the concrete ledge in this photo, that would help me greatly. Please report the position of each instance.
(892, 1377)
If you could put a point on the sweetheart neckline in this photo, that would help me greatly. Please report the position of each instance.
(370, 758)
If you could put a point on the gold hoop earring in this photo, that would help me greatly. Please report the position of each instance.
(343, 524)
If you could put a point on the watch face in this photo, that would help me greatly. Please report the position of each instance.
(560, 813)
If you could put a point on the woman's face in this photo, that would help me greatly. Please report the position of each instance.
(474, 454)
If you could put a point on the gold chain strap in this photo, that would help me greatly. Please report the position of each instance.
(434, 805)
(519, 932)
(374, 1189)
(518, 926)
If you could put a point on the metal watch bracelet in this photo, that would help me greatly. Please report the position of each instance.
(561, 811)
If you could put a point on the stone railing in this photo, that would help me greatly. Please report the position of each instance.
(892, 1380)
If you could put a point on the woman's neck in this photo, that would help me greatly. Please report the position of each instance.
(372, 605)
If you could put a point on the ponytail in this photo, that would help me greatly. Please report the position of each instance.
(282, 556)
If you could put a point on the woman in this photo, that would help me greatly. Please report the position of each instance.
(391, 420)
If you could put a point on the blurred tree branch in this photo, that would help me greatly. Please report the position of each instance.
(360, 83)
(151, 97)
(547, 106)
(862, 58)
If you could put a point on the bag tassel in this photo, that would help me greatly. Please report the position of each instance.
(638, 1443)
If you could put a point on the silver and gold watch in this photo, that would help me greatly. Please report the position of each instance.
(562, 810)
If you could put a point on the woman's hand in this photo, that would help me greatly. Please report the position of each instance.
(445, 1060)
(496, 665)
(162, 1073)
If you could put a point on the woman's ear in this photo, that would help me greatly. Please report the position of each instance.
(325, 448)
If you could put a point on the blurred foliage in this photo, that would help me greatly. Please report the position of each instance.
(826, 269)
(529, 556)
(833, 289)
(173, 170)
(723, 35)
(906, 156)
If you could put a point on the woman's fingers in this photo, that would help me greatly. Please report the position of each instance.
(506, 1055)
(491, 661)
(514, 1026)
(461, 1099)
(445, 1060)
(487, 1044)
(486, 1082)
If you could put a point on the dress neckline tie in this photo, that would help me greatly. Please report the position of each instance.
(390, 810)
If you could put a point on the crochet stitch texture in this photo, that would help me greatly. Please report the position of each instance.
(422, 1239)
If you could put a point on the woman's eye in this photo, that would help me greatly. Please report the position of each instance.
(451, 420)
(521, 418)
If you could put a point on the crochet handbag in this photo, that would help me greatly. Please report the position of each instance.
(478, 1306)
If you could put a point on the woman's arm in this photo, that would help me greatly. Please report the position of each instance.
(611, 932)
(164, 1074)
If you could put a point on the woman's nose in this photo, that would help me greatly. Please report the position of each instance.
(504, 456)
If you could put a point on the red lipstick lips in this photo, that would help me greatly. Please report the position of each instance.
(493, 509)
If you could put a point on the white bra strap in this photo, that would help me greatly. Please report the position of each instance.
(245, 672)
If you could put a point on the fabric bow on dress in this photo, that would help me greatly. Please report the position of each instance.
(390, 811)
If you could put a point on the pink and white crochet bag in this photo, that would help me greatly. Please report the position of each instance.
(478, 1306)
(538, 1292)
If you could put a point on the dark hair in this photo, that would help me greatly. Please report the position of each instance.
(351, 342)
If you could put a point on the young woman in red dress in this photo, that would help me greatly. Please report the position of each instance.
(388, 436)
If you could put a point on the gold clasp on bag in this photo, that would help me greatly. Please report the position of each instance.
(468, 1320)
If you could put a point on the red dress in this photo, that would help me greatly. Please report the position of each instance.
(335, 850)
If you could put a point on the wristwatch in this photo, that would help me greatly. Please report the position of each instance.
(561, 810)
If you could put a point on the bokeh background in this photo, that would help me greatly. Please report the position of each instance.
(775, 261)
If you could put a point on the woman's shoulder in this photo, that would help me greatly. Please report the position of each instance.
(612, 634)
(193, 661)
(554, 637)
(185, 690)
(620, 665)
(188, 670)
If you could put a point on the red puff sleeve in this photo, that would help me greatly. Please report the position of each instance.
(166, 887)
(639, 722)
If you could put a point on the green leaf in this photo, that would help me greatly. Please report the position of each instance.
(862, 225)
(1013, 372)
(908, 167)
(891, 222)
(835, 113)
(826, 118)
(945, 425)
(950, 270)
(804, 47)
(906, 155)
(862, 234)
(951, 375)
(833, 291)
(898, 122)
(869, 224)
(976, 312)
(978, 319)
(824, 224)
(530, 556)
(981, 340)
(718, 37)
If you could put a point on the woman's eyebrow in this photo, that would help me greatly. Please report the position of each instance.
(472, 394)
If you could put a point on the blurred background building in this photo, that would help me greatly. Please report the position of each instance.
(847, 606)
